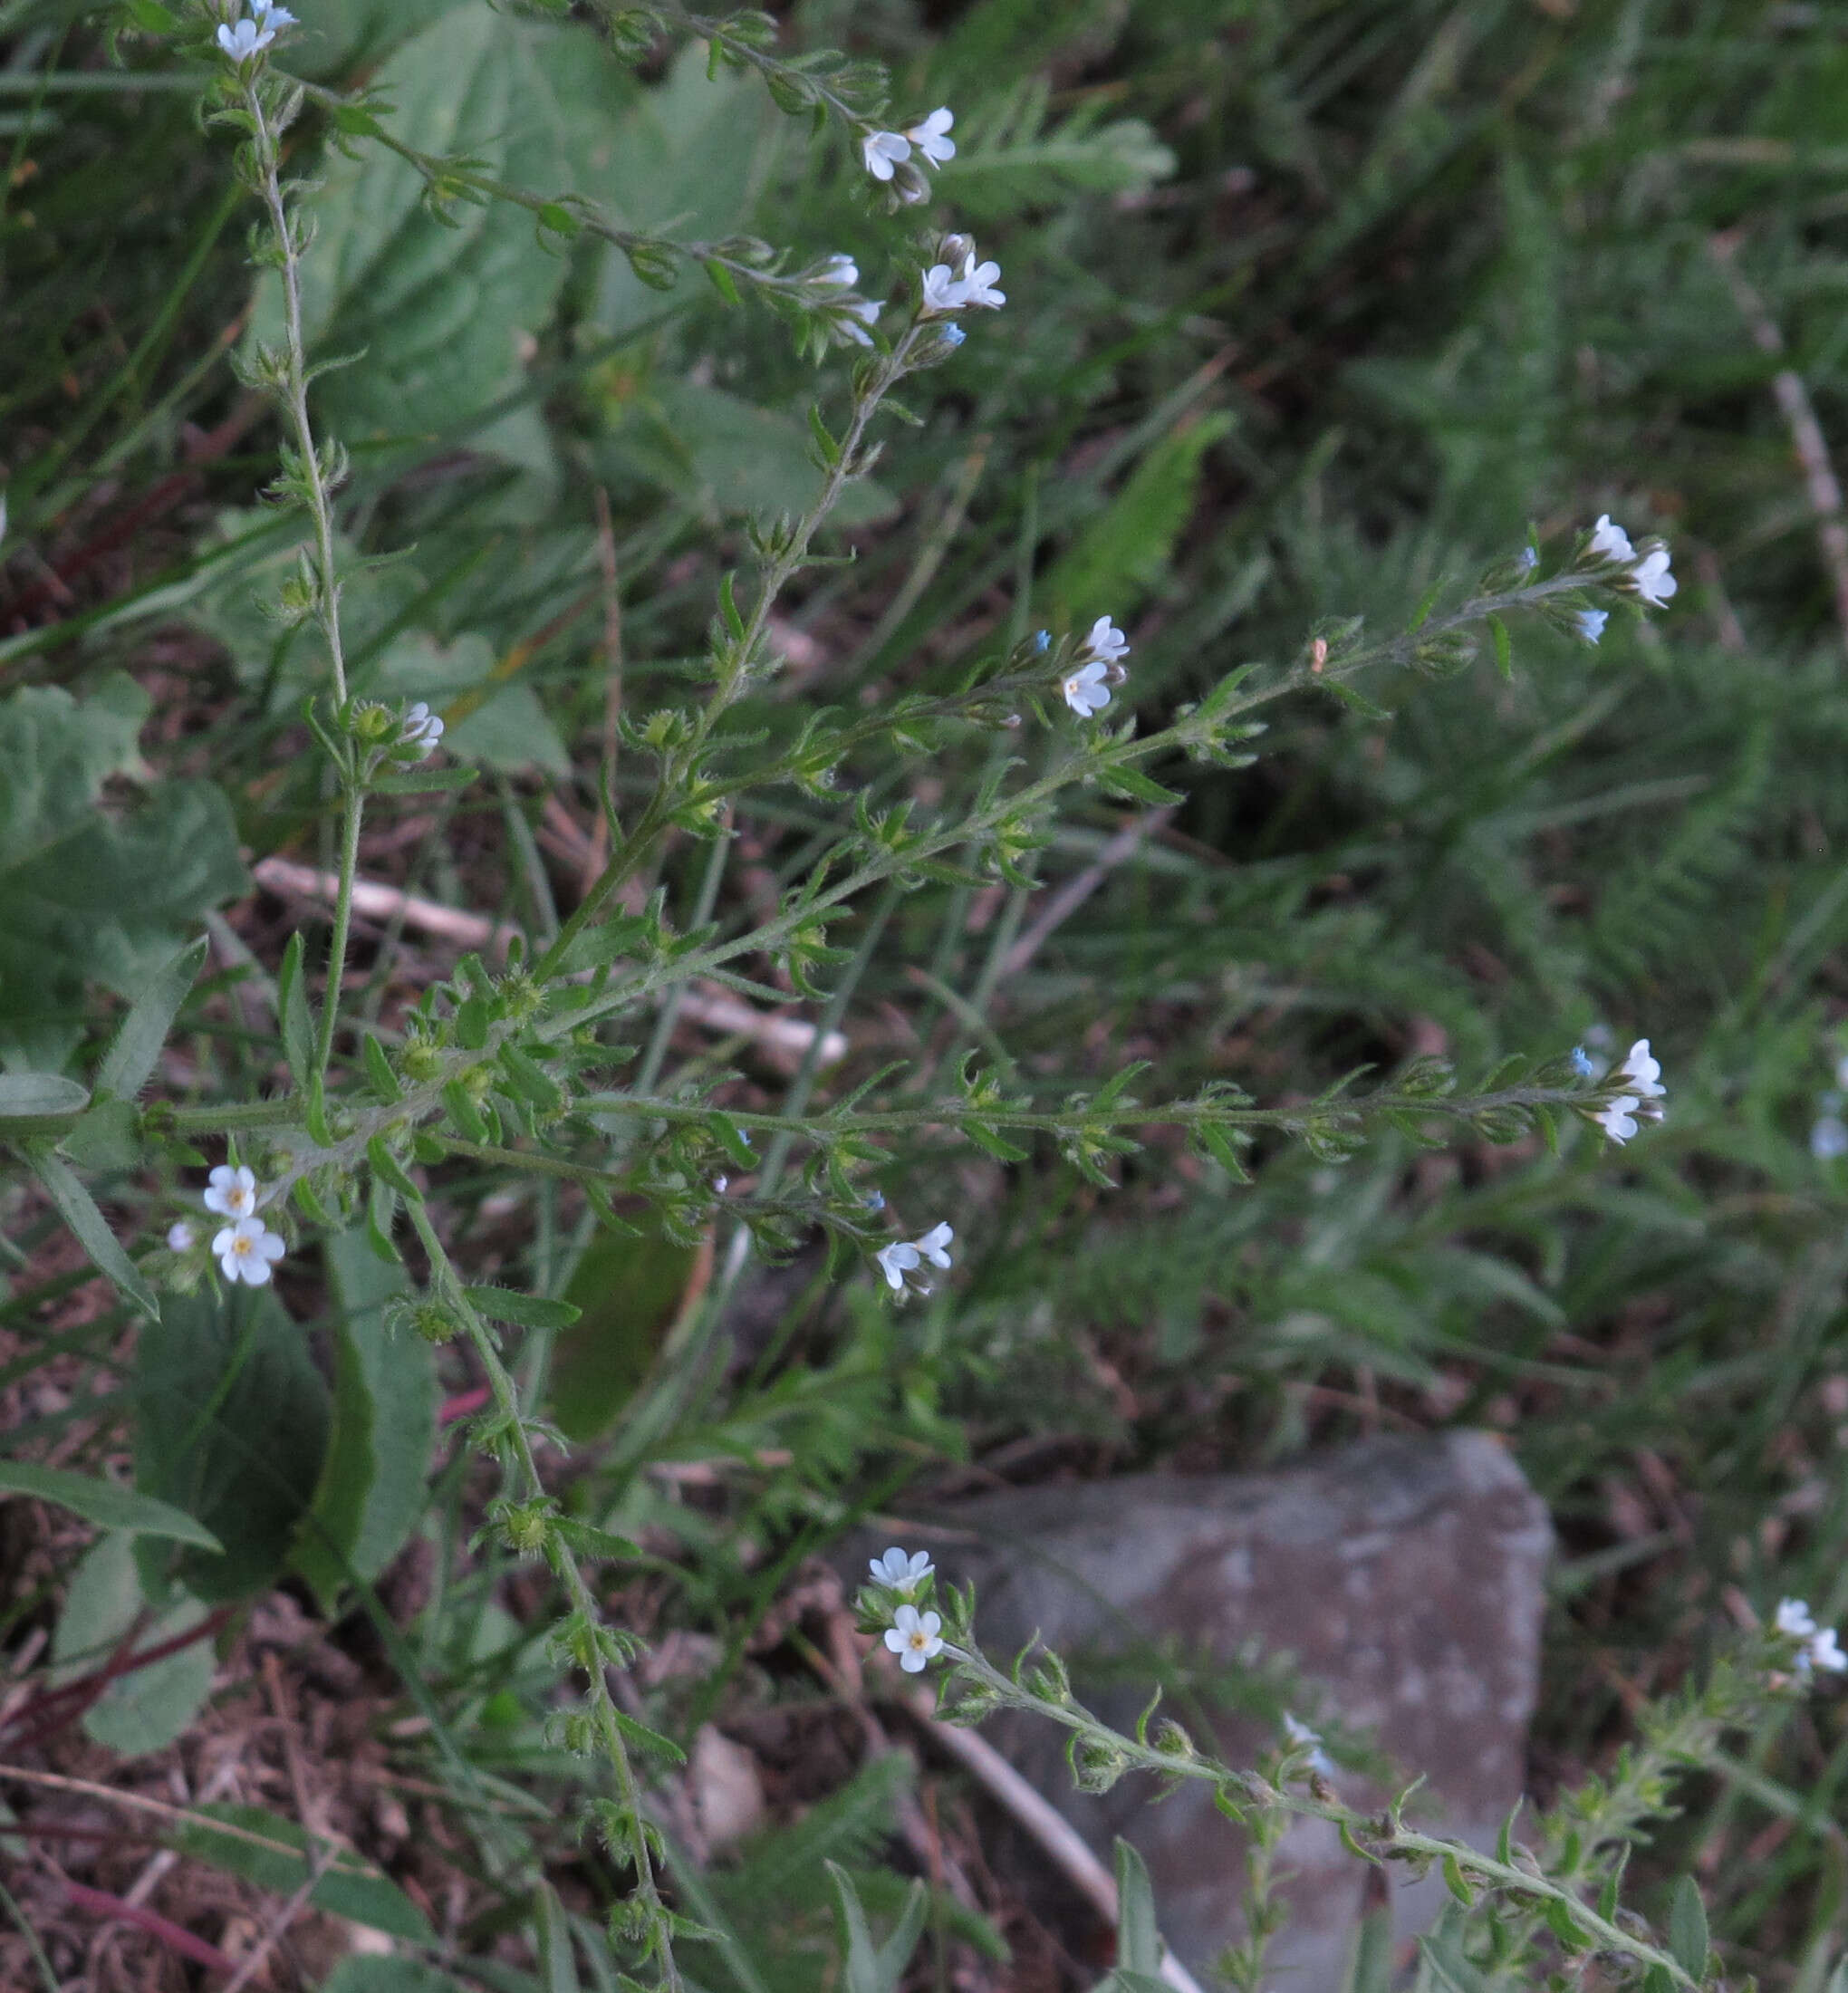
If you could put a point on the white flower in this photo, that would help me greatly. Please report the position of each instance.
(928, 137)
(271, 15)
(1527, 560)
(1085, 691)
(1829, 1139)
(1591, 623)
(1611, 543)
(247, 1250)
(913, 1637)
(895, 1262)
(179, 1237)
(1821, 1651)
(903, 1573)
(862, 308)
(233, 1192)
(884, 151)
(422, 729)
(1653, 582)
(976, 282)
(1105, 641)
(1617, 1119)
(1640, 1073)
(1300, 1734)
(943, 291)
(935, 1245)
(243, 39)
(1794, 1618)
(841, 271)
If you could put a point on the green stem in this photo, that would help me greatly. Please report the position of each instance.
(343, 921)
(506, 1401)
(295, 393)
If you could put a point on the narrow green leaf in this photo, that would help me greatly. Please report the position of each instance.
(1504, 649)
(529, 1311)
(464, 1112)
(387, 1168)
(104, 1504)
(78, 1209)
(551, 1943)
(130, 1061)
(297, 1021)
(379, 1074)
(1139, 1936)
(1455, 1883)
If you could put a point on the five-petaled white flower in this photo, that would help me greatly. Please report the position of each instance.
(1106, 642)
(1300, 1734)
(179, 1237)
(231, 1192)
(1609, 542)
(247, 1251)
(928, 136)
(422, 729)
(1640, 1073)
(1794, 1618)
(1653, 582)
(1591, 623)
(903, 1573)
(1617, 1118)
(1085, 691)
(942, 289)
(885, 152)
(975, 281)
(913, 1637)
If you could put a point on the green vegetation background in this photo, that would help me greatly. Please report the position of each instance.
(1311, 303)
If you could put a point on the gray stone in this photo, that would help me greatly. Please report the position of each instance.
(1403, 1578)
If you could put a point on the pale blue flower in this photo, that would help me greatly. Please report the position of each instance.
(1581, 1064)
(1591, 623)
(952, 336)
(243, 39)
(1042, 642)
(422, 729)
(901, 1572)
(179, 1237)
(1527, 560)
(1829, 1139)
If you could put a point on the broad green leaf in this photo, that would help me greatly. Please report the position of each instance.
(103, 1503)
(530, 1311)
(1688, 1938)
(38, 1103)
(231, 1420)
(630, 1290)
(726, 456)
(435, 308)
(146, 1709)
(87, 896)
(384, 1429)
(346, 1889)
(78, 1209)
(132, 1056)
(1125, 547)
(687, 157)
(501, 725)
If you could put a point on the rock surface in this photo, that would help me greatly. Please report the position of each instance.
(1404, 1579)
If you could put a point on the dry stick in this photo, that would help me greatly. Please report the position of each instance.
(257, 1956)
(789, 1037)
(1080, 887)
(1805, 433)
(1055, 1834)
